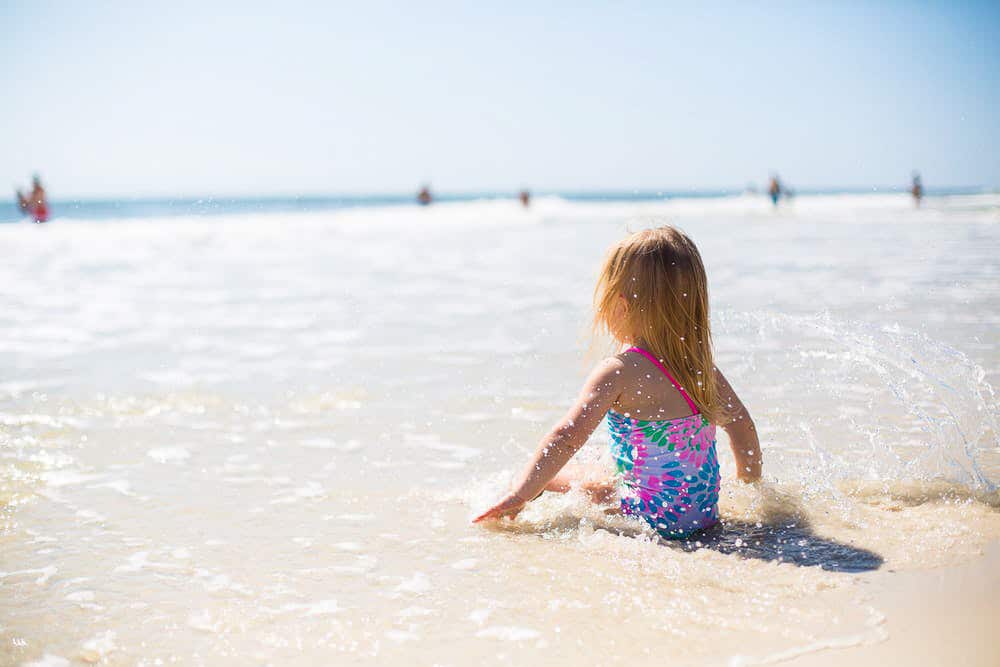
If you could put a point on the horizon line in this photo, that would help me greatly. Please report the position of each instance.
(513, 192)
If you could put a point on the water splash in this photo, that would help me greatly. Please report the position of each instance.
(840, 399)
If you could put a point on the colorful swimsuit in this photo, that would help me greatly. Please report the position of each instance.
(668, 467)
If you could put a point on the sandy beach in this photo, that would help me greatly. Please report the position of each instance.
(933, 617)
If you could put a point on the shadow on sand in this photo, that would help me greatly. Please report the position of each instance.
(792, 542)
(786, 540)
(780, 533)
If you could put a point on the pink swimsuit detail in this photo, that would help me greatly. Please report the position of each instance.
(668, 467)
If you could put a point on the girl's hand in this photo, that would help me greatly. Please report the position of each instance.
(599, 392)
(509, 507)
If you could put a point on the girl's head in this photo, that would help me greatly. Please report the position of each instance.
(653, 292)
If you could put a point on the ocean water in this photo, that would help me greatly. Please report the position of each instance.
(258, 436)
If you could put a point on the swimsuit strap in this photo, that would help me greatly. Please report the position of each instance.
(663, 369)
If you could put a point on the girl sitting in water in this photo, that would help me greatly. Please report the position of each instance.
(662, 394)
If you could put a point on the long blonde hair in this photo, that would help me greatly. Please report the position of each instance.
(662, 279)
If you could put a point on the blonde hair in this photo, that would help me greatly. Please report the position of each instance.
(662, 279)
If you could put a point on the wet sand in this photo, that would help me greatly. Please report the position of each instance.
(944, 616)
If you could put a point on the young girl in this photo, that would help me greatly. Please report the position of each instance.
(662, 394)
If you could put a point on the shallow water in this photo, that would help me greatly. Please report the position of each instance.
(261, 438)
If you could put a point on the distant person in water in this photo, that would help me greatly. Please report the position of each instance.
(917, 189)
(35, 204)
(774, 189)
(424, 196)
(525, 198)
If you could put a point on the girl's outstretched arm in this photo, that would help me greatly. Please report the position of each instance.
(741, 431)
(598, 394)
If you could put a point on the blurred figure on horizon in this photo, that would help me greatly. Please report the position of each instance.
(35, 204)
(424, 196)
(525, 198)
(917, 189)
(774, 189)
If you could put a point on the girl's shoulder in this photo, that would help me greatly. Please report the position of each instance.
(609, 366)
(618, 372)
(626, 365)
(629, 359)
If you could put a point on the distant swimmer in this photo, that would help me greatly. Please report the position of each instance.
(424, 196)
(774, 189)
(35, 204)
(525, 198)
(917, 189)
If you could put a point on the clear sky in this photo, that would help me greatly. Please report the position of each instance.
(114, 98)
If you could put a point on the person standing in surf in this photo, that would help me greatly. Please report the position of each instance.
(662, 394)
(424, 197)
(774, 189)
(917, 189)
(35, 204)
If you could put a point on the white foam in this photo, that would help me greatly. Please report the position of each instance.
(90, 516)
(81, 596)
(48, 660)
(417, 584)
(169, 454)
(50, 459)
(327, 443)
(58, 478)
(45, 572)
(414, 611)
(362, 565)
(202, 620)
(322, 608)
(447, 465)
(122, 486)
(318, 443)
(479, 616)
(432, 442)
(309, 490)
(97, 648)
(140, 561)
(39, 420)
(218, 582)
(876, 633)
(308, 609)
(510, 633)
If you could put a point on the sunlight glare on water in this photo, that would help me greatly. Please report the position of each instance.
(262, 437)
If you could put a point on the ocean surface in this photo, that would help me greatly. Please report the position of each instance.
(255, 431)
(207, 206)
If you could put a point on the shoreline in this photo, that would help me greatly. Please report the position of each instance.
(945, 615)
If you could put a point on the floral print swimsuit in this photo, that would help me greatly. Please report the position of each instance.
(669, 472)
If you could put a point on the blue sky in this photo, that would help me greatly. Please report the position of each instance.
(281, 98)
